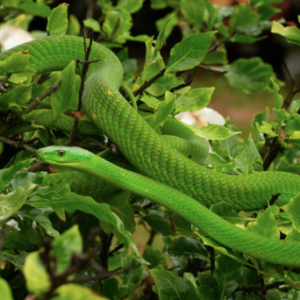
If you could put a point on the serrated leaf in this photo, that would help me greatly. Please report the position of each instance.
(292, 209)
(93, 24)
(291, 33)
(14, 63)
(213, 132)
(76, 292)
(188, 248)
(195, 99)
(40, 216)
(58, 20)
(5, 290)
(13, 201)
(243, 16)
(266, 225)
(65, 246)
(250, 75)
(193, 10)
(70, 202)
(171, 286)
(37, 279)
(247, 156)
(189, 53)
(228, 273)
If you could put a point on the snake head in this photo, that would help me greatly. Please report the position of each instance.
(62, 155)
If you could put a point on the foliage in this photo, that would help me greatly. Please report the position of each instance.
(58, 244)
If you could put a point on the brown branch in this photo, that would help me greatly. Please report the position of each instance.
(3, 89)
(212, 70)
(17, 144)
(85, 67)
(38, 100)
(216, 46)
(260, 288)
(148, 83)
(2, 234)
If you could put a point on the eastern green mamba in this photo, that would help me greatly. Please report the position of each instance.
(154, 158)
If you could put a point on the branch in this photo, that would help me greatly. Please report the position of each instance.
(2, 234)
(85, 67)
(17, 145)
(212, 70)
(216, 46)
(38, 100)
(148, 83)
(2, 83)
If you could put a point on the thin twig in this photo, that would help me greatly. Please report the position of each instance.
(37, 101)
(17, 144)
(3, 89)
(116, 249)
(212, 70)
(288, 72)
(148, 83)
(216, 46)
(2, 234)
(85, 67)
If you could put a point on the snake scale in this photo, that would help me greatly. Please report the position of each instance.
(154, 158)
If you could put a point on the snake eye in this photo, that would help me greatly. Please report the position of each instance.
(61, 152)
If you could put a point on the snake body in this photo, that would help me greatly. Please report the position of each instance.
(144, 148)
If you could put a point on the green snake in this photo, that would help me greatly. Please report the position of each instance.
(153, 157)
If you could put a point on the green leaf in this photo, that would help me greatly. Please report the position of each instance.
(58, 20)
(243, 16)
(161, 37)
(37, 279)
(5, 290)
(163, 110)
(188, 248)
(14, 63)
(156, 89)
(195, 99)
(292, 209)
(291, 33)
(227, 212)
(40, 216)
(150, 101)
(228, 273)
(193, 10)
(278, 99)
(159, 223)
(247, 156)
(213, 132)
(266, 128)
(93, 24)
(65, 246)
(250, 75)
(36, 8)
(74, 26)
(152, 256)
(76, 292)
(70, 202)
(170, 81)
(189, 53)
(119, 203)
(153, 63)
(168, 26)
(13, 201)
(170, 286)
(131, 6)
(64, 97)
(208, 286)
(17, 260)
(266, 225)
